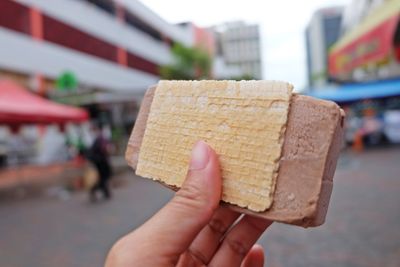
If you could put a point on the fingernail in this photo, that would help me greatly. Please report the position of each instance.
(199, 158)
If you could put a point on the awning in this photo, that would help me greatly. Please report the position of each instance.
(19, 106)
(355, 92)
(369, 42)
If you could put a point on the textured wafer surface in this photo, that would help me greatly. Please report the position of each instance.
(243, 121)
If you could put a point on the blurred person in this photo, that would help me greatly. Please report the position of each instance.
(352, 126)
(3, 155)
(3, 146)
(192, 230)
(98, 154)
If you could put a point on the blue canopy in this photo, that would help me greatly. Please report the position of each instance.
(359, 91)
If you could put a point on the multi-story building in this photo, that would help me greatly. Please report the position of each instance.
(321, 33)
(238, 44)
(111, 45)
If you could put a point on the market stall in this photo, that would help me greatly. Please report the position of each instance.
(21, 108)
(372, 109)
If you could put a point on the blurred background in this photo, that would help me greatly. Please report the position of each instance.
(69, 68)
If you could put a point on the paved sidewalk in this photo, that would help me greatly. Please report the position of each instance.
(54, 228)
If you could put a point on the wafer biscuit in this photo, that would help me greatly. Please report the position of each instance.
(243, 121)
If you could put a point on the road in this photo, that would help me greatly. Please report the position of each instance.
(54, 228)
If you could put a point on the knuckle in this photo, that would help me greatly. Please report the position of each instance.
(217, 226)
(198, 257)
(237, 246)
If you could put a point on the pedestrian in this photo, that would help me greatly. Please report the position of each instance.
(98, 154)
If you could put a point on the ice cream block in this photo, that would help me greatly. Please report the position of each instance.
(312, 139)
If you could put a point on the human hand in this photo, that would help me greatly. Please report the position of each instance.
(192, 230)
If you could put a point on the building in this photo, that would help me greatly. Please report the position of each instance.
(107, 45)
(238, 44)
(199, 37)
(205, 39)
(321, 33)
(369, 48)
(108, 51)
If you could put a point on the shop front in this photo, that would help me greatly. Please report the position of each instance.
(371, 49)
(34, 147)
(372, 110)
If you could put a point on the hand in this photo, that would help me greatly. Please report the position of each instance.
(192, 230)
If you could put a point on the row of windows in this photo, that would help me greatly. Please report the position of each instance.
(131, 19)
(59, 33)
(242, 51)
(134, 21)
(17, 17)
(14, 16)
(105, 5)
(249, 68)
(242, 32)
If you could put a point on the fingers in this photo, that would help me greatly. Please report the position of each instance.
(177, 224)
(239, 241)
(255, 257)
(208, 240)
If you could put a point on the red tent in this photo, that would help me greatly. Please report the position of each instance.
(19, 106)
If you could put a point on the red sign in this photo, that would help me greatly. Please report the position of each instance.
(373, 46)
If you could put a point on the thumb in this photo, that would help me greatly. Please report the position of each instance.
(178, 223)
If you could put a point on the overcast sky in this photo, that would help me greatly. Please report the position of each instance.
(282, 27)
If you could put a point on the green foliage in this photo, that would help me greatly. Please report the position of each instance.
(245, 77)
(190, 63)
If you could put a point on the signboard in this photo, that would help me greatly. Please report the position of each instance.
(67, 81)
(372, 47)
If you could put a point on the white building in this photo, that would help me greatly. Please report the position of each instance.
(239, 45)
(321, 33)
(111, 45)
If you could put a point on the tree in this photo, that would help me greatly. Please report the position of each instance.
(245, 77)
(189, 63)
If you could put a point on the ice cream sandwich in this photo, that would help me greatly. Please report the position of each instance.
(277, 150)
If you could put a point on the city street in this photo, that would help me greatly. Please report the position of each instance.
(54, 228)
